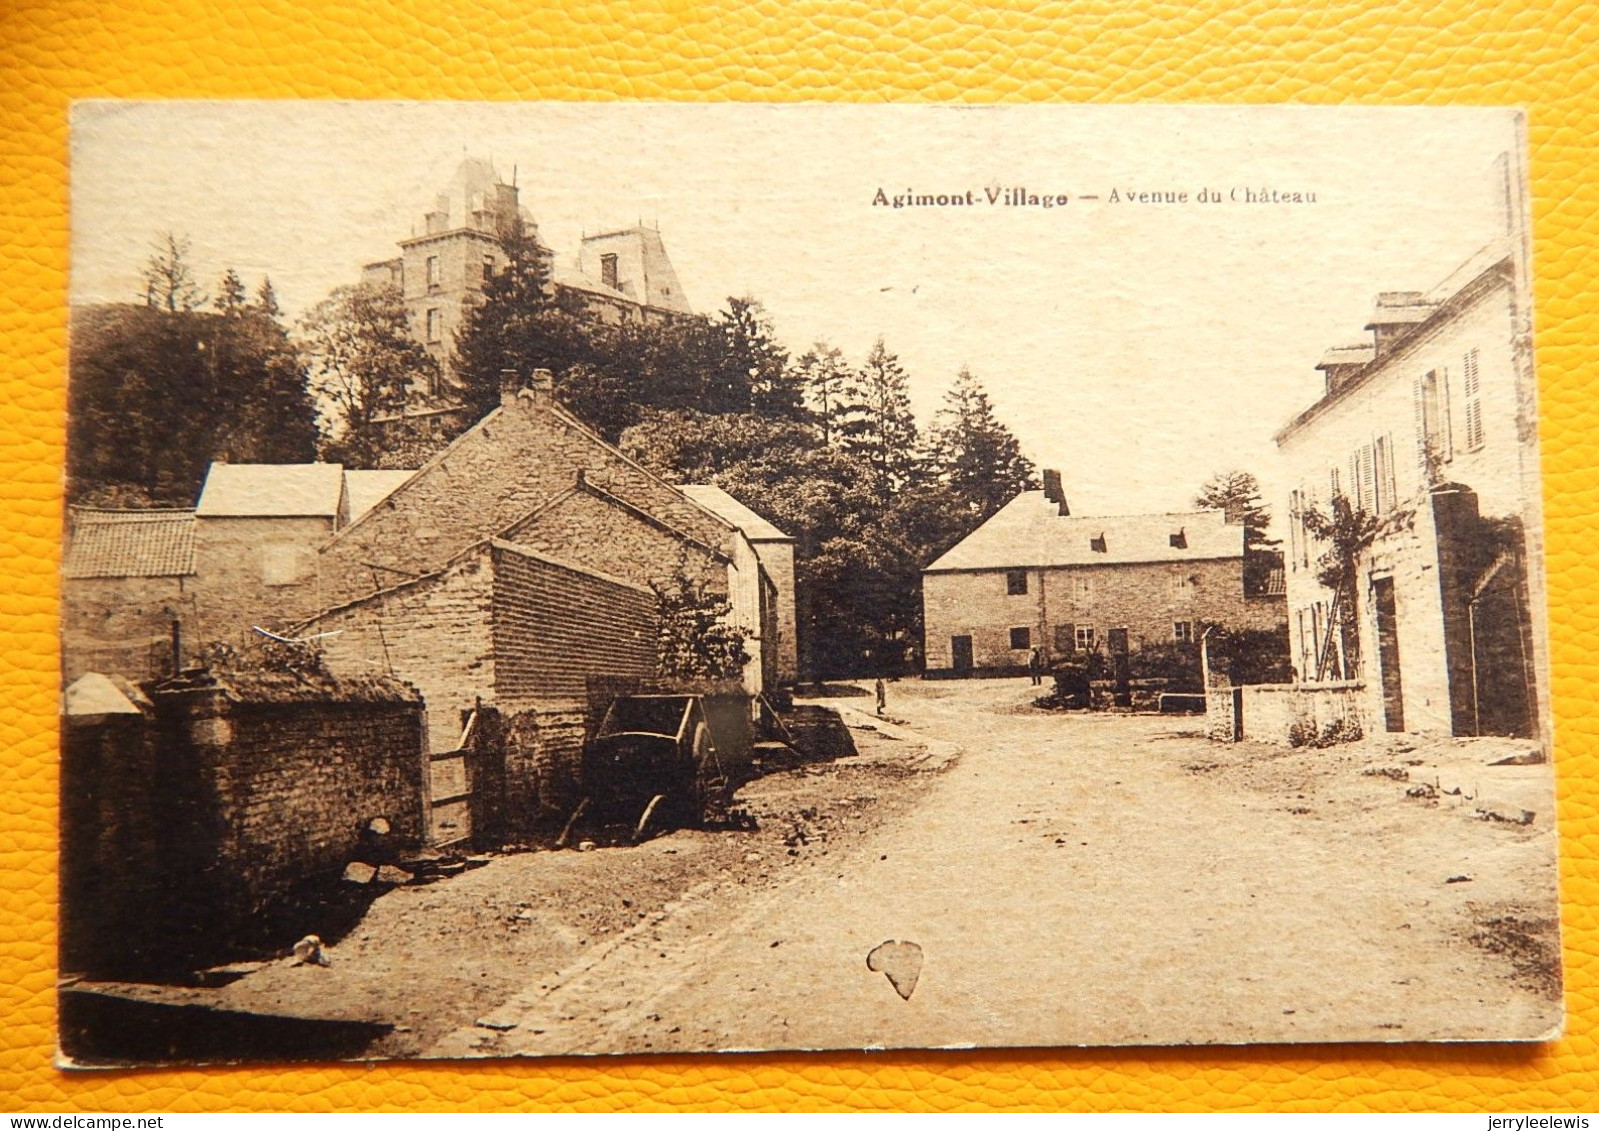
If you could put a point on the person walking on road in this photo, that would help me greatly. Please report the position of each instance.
(882, 698)
(1035, 666)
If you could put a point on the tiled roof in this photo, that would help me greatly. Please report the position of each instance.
(730, 510)
(111, 543)
(366, 489)
(1029, 531)
(276, 490)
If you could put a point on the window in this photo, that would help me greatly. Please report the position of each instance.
(1432, 421)
(433, 273)
(1083, 585)
(1180, 584)
(608, 274)
(1472, 388)
(1015, 582)
(1386, 489)
(1182, 631)
(435, 327)
(488, 266)
(1021, 638)
(1065, 638)
(1085, 637)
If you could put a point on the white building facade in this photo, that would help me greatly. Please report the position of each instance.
(1428, 433)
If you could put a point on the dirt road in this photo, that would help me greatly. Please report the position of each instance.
(1104, 880)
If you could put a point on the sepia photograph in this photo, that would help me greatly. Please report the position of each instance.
(549, 579)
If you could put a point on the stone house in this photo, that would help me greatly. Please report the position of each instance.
(517, 571)
(1430, 430)
(143, 590)
(1036, 576)
(127, 591)
(775, 552)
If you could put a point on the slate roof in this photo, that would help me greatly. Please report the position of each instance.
(730, 510)
(1029, 531)
(272, 490)
(366, 489)
(116, 543)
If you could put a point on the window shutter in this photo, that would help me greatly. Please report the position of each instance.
(1368, 481)
(1421, 427)
(1473, 395)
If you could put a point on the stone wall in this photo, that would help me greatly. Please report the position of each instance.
(256, 571)
(123, 625)
(435, 634)
(243, 793)
(587, 529)
(1278, 713)
(1146, 599)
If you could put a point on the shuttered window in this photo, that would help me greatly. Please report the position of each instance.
(1472, 389)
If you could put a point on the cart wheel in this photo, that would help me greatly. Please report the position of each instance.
(644, 821)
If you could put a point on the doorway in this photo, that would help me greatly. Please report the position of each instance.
(1393, 695)
(960, 648)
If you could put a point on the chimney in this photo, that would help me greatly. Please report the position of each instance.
(1054, 492)
(542, 387)
(1397, 313)
(510, 385)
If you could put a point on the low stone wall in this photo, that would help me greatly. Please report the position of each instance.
(1284, 713)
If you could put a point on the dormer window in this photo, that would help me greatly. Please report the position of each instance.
(1179, 540)
(1097, 545)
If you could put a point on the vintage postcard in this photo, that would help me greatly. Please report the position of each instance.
(549, 578)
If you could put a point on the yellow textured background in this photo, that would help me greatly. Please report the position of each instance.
(1373, 51)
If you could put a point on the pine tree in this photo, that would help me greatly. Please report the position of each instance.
(266, 299)
(231, 293)
(973, 453)
(875, 420)
(168, 280)
(513, 327)
(822, 371)
(753, 372)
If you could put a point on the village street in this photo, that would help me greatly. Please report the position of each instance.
(1102, 879)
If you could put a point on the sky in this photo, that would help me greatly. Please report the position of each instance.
(1137, 347)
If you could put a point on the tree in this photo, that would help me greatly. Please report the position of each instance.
(752, 371)
(266, 299)
(973, 453)
(168, 280)
(232, 296)
(1347, 530)
(157, 394)
(364, 365)
(822, 371)
(875, 416)
(695, 640)
(510, 328)
(1238, 494)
